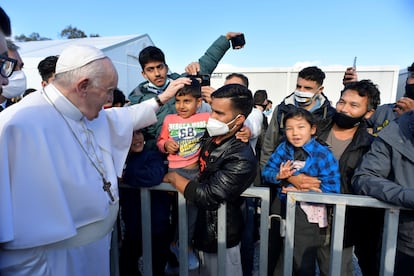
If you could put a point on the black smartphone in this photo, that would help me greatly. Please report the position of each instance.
(238, 41)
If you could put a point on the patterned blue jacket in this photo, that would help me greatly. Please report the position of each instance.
(320, 163)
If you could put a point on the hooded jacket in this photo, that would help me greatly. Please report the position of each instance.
(387, 172)
(276, 130)
(208, 62)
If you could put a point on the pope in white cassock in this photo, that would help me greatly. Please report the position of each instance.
(61, 154)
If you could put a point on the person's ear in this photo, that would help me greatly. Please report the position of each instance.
(240, 120)
(369, 114)
(313, 130)
(144, 75)
(320, 89)
(82, 86)
(199, 102)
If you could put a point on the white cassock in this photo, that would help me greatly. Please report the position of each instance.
(55, 217)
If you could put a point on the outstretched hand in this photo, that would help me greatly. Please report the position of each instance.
(173, 87)
(403, 105)
(244, 134)
(286, 170)
(206, 92)
(230, 35)
(193, 68)
(350, 76)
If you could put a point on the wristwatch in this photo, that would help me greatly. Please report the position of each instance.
(159, 102)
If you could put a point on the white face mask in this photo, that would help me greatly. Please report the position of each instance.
(218, 128)
(16, 86)
(304, 98)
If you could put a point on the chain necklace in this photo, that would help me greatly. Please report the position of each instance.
(106, 184)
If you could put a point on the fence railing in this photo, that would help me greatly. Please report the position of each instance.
(340, 201)
(257, 192)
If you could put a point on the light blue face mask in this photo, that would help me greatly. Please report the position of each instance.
(268, 112)
(159, 88)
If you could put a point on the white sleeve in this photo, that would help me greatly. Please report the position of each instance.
(254, 122)
(143, 114)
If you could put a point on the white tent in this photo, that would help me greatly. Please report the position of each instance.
(123, 51)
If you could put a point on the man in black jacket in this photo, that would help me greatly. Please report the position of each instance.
(227, 167)
(348, 138)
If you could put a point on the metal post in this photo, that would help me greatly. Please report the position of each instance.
(221, 240)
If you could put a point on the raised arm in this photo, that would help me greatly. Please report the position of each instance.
(211, 58)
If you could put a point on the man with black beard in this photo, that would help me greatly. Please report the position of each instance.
(349, 140)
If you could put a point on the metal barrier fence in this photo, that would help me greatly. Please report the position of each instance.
(340, 201)
(257, 192)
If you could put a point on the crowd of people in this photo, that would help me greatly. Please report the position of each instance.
(77, 152)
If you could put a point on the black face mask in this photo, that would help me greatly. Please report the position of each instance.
(345, 121)
(409, 91)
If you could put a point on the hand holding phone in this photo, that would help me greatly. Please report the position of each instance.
(350, 74)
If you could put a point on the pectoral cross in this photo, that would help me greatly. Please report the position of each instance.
(107, 188)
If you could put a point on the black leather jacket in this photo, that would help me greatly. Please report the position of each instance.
(227, 170)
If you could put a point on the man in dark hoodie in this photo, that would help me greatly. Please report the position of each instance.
(308, 95)
(386, 172)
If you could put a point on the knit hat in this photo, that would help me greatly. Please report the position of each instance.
(76, 56)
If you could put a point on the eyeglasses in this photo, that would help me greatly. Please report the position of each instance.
(7, 66)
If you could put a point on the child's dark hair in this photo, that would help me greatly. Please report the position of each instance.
(119, 97)
(301, 113)
(193, 89)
